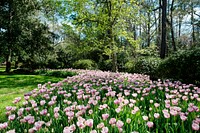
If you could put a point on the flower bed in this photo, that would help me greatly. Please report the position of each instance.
(102, 102)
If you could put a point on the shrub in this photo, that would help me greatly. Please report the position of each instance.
(143, 65)
(105, 65)
(85, 64)
(55, 73)
(183, 65)
(23, 71)
(62, 74)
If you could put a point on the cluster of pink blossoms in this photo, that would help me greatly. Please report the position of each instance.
(106, 102)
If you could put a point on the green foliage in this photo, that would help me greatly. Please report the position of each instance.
(55, 73)
(85, 64)
(183, 65)
(1, 60)
(148, 51)
(143, 65)
(102, 25)
(23, 37)
(105, 65)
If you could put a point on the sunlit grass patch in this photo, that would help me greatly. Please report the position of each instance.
(15, 85)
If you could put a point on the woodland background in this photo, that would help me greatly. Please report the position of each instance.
(155, 37)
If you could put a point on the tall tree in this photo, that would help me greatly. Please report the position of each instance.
(171, 25)
(164, 20)
(104, 22)
(192, 23)
(19, 18)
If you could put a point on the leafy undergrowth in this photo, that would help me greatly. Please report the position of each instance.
(95, 101)
(62, 73)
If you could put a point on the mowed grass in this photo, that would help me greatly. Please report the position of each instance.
(16, 85)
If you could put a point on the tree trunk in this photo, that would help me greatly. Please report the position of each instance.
(179, 26)
(111, 37)
(148, 29)
(8, 56)
(163, 41)
(8, 62)
(159, 25)
(171, 25)
(16, 63)
(192, 23)
(134, 32)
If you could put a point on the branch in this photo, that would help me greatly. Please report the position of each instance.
(196, 14)
(157, 8)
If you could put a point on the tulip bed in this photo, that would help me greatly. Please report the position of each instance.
(102, 102)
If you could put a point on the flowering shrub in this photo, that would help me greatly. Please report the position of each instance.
(102, 102)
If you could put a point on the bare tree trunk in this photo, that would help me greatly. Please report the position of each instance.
(159, 25)
(134, 32)
(8, 56)
(192, 22)
(8, 61)
(171, 25)
(163, 41)
(179, 26)
(148, 29)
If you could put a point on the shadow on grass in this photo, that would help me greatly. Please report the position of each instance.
(16, 85)
(16, 80)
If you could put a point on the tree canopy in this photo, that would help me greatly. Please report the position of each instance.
(51, 33)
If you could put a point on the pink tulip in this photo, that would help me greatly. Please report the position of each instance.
(70, 114)
(89, 122)
(100, 125)
(104, 130)
(156, 115)
(119, 124)
(56, 109)
(118, 110)
(183, 117)
(93, 131)
(11, 117)
(9, 108)
(150, 124)
(105, 116)
(112, 121)
(42, 102)
(31, 130)
(67, 130)
(56, 115)
(3, 125)
(43, 112)
(145, 118)
(90, 111)
(166, 115)
(50, 103)
(116, 101)
(80, 124)
(48, 124)
(18, 99)
(173, 112)
(26, 97)
(38, 125)
(73, 127)
(11, 131)
(195, 126)
(128, 120)
(151, 101)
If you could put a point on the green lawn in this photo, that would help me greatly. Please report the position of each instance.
(15, 85)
